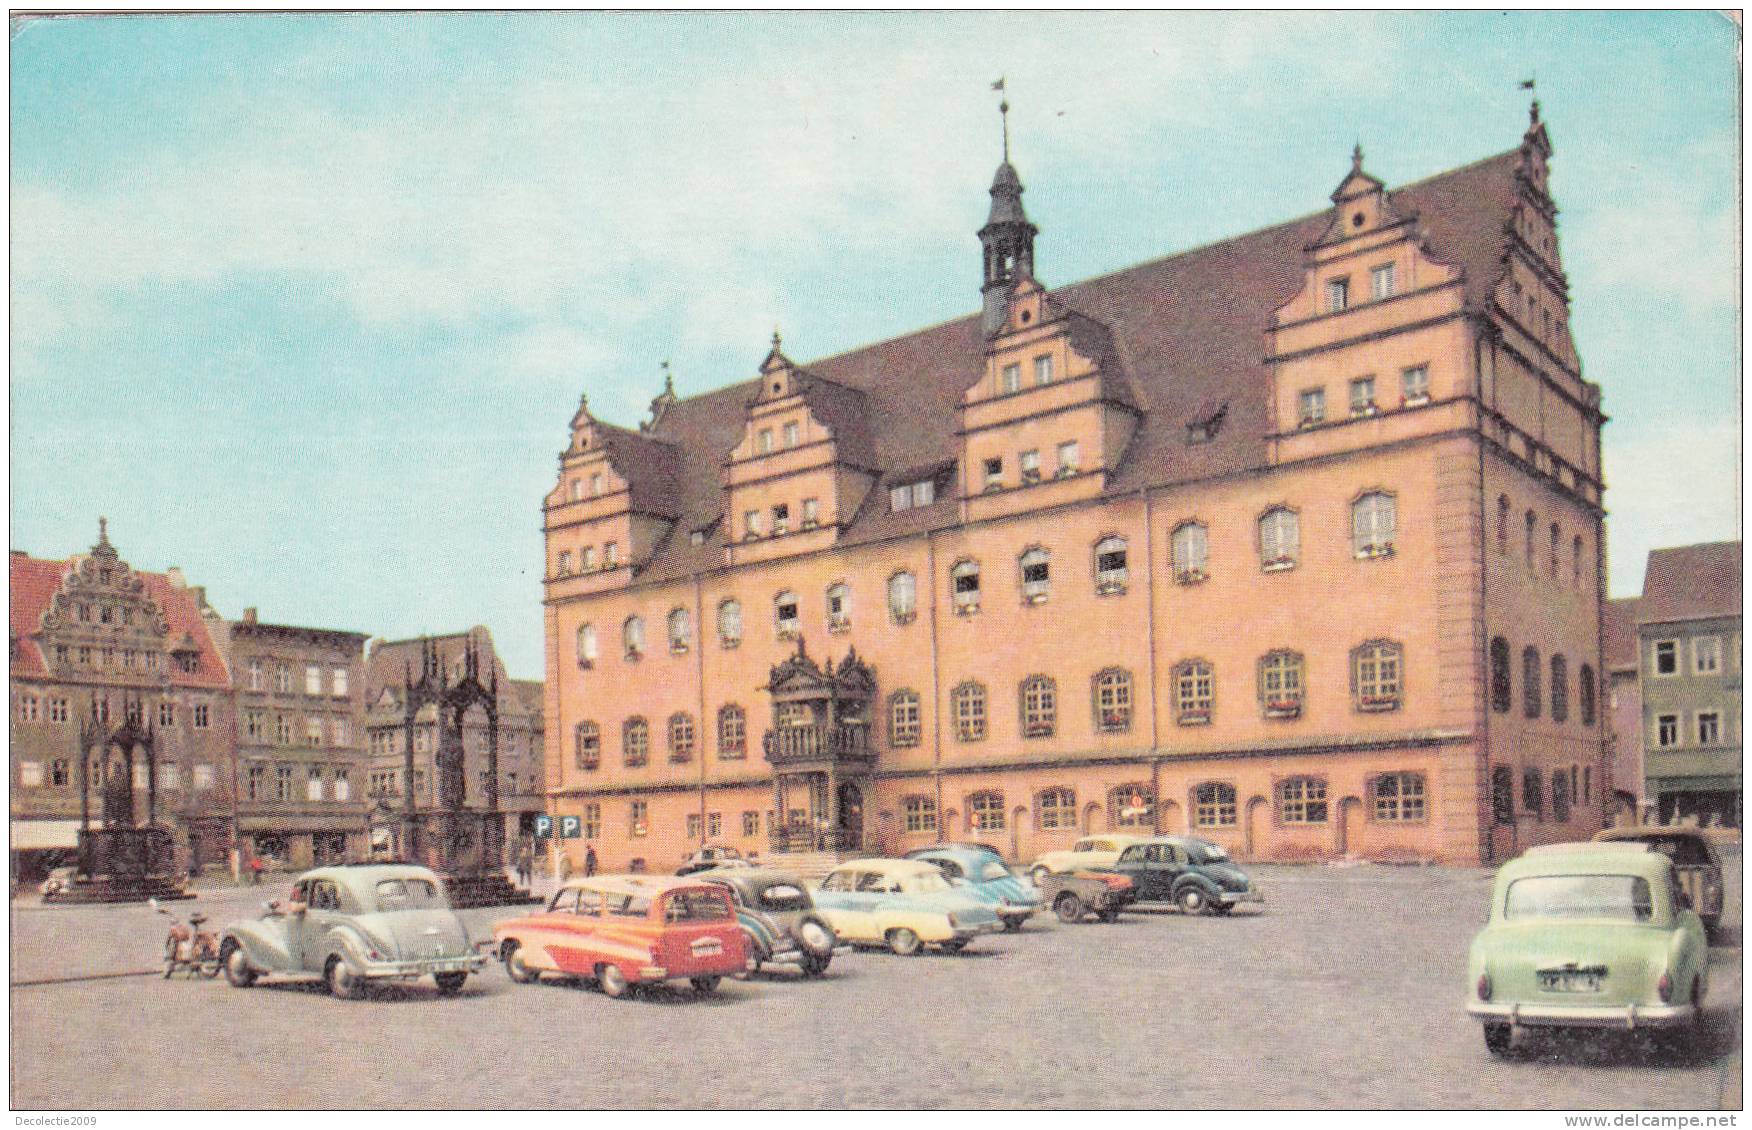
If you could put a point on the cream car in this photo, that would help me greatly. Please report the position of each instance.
(902, 904)
(1100, 852)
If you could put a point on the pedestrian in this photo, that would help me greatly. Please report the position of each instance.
(255, 870)
(525, 864)
(589, 860)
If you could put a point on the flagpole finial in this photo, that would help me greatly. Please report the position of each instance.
(1357, 157)
(1004, 113)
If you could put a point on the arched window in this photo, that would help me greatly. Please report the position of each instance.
(586, 645)
(1585, 692)
(1131, 806)
(904, 724)
(785, 619)
(1280, 684)
(1188, 553)
(633, 637)
(587, 739)
(1110, 565)
(1500, 690)
(1559, 689)
(1556, 540)
(1374, 522)
(839, 607)
(730, 623)
(985, 812)
(1036, 575)
(1530, 680)
(903, 598)
(1055, 809)
(1039, 702)
(1502, 526)
(1532, 522)
(969, 701)
(732, 732)
(680, 631)
(1376, 675)
(1113, 700)
(1576, 563)
(921, 813)
(964, 585)
(681, 736)
(635, 742)
(1213, 805)
(1280, 539)
(1502, 794)
(1302, 800)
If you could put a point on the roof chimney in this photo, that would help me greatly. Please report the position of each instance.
(249, 615)
(176, 577)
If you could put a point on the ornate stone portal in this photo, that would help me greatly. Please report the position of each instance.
(820, 752)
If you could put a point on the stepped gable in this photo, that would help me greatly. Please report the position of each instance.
(388, 661)
(1690, 582)
(1189, 333)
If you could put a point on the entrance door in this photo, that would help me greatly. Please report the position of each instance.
(851, 816)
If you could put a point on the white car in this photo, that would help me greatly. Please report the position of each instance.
(1100, 852)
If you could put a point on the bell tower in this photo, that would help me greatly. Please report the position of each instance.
(1007, 238)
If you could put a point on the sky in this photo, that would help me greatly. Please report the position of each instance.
(304, 303)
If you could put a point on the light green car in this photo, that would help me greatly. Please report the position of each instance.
(1588, 935)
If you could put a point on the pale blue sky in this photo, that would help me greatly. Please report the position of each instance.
(304, 303)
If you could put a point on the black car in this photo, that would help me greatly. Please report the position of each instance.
(777, 913)
(1195, 875)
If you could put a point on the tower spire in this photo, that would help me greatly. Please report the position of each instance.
(1008, 237)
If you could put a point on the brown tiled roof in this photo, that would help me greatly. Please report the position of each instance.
(1188, 332)
(1619, 642)
(649, 465)
(1690, 582)
(846, 412)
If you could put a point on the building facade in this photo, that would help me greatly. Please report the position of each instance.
(93, 641)
(1624, 718)
(300, 742)
(1293, 541)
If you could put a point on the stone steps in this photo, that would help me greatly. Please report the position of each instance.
(811, 865)
(468, 891)
(132, 889)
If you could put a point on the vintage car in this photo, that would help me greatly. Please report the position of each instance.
(1091, 851)
(780, 919)
(1076, 895)
(1193, 874)
(1694, 860)
(622, 931)
(1587, 935)
(986, 875)
(710, 856)
(903, 904)
(351, 925)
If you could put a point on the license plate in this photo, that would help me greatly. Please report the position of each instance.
(707, 947)
(1569, 982)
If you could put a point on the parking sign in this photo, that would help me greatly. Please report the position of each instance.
(544, 826)
(571, 827)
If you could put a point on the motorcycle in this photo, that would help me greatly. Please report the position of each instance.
(189, 947)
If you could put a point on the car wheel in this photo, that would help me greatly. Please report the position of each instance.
(613, 981)
(1192, 900)
(237, 970)
(705, 984)
(1068, 907)
(1014, 922)
(342, 981)
(511, 953)
(1499, 1039)
(450, 983)
(904, 942)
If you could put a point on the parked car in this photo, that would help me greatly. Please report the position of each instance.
(903, 904)
(1588, 935)
(706, 858)
(1091, 851)
(780, 919)
(1193, 874)
(622, 931)
(351, 925)
(1081, 893)
(1694, 859)
(986, 875)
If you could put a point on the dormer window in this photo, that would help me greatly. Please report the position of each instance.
(1068, 459)
(697, 537)
(1381, 282)
(781, 518)
(587, 559)
(577, 489)
(611, 555)
(908, 495)
(1030, 461)
(994, 474)
(596, 485)
(1362, 397)
(790, 435)
(1043, 369)
(811, 513)
(1012, 379)
(1337, 295)
(1415, 383)
(763, 441)
(751, 524)
(1310, 407)
(565, 565)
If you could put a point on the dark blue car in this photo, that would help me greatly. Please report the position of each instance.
(1195, 875)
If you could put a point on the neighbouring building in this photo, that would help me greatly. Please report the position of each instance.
(94, 641)
(1292, 541)
(301, 755)
(390, 666)
(1624, 719)
(1688, 644)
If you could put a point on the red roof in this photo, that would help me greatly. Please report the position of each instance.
(1691, 582)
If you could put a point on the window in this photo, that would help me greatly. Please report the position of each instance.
(1213, 805)
(255, 782)
(811, 513)
(681, 736)
(344, 784)
(1187, 553)
(576, 489)
(1709, 727)
(313, 784)
(1666, 657)
(751, 523)
(282, 678)
(1280, 684)
(1043, 369)
(1113, 700)
(902, 598)
(750, 824)
(1502, 794)
(763, 441)
(1666, 730)
(1069, 460)
(1532, 524)
(58, 710)
(964, 584)
(1414, 385)
(1030, 463)
(592, 821)
(1132, 806)
(633, 637)
(1373, 524)
(985, 812)
(1302, 800)
(587, 738)
(1110, 565)
(714, 824)
(1576, 563)
(1533, 792)
(635, 742)
(1362, 397)
(1585, 694)
(1337, 295)
(586, 645)
(1381, 282)
(904, 726)
(1011, 379)
(839, 607)
(1530, 680)
(921, 814)
(203, 715)
(256, 682)
(994, 473)
(312, 679)
(969, 700)
(313, 731)
(1559, 689)
(785, 615)
(638, 818)
(729, 623)
(255, 724)
(564, 567)
(340, 731)
(1039, 700)
(282, 782)
(338, 682)
(30, 774)
(1056, 809)
(1194, 692)
(1556, 540)
(790, 434)
(1376, 675)
(680, 631)
(135, 711)
(781, 518)
(29, 708)
(1560, 795)
(1280, 539)
(732, 732)
(203, 777)
(908, 495)
(1311, 406)
(1502, 528)
(1706, 655)
(1399, 797)
(1036, 576)
(1500, 690)
(611, 555)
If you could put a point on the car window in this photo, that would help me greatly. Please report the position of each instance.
(950, 868)
(565, 901)
(784, 896)
(838, 881)
(872, 881)
(1084, 845)
(408, 894)
(323, 896)
(1158, 853)
(1203, 851)
(993, 870)
(734, 895)
(626, 905)
(695, 906)
(301, 891)
(1132, 855)
(1621, 897)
